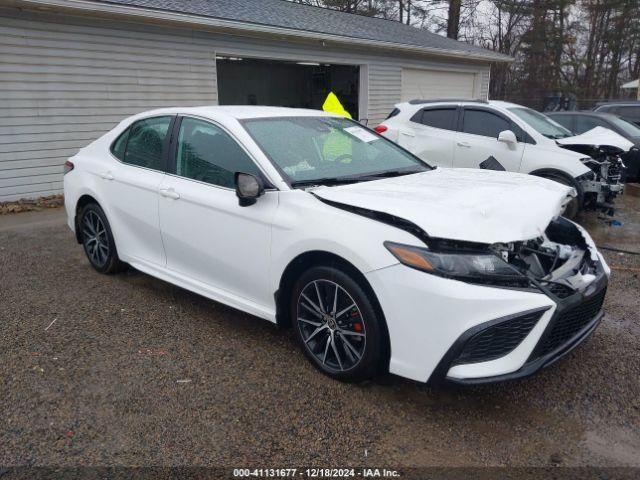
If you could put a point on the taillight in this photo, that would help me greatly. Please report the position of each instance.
(68, 166)
(381, 128)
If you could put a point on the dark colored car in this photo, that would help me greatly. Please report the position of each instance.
(629, 110)
(580, 122)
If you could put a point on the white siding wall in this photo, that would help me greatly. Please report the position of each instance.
(65, 80)
(63, 85)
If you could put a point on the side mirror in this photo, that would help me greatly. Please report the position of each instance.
(248, 188)
(508, 137)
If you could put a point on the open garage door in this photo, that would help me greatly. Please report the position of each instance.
(244, 81)
(425, 84)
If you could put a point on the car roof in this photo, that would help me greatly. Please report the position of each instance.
(496, 103)
(418, 101)
(503, 104)
(629, 103)
(239, 112)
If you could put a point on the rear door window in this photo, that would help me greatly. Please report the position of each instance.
(146, 143)
(443, 118)
(482, 122)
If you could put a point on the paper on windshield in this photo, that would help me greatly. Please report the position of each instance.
(361, 134)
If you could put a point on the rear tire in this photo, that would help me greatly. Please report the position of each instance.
(337, 325)
(97, 240)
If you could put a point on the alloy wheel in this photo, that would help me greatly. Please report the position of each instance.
(331, 325)
(95, 238)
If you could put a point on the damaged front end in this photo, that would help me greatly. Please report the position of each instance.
(606, 179)
(563, 264)
(560, 262)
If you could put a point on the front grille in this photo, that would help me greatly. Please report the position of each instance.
(497, 340)
(559, 290)
(571, 321)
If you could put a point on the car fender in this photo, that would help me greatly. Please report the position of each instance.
(538, 158)
(306, 224)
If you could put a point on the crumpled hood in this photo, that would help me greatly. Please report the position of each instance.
(600, 137)
(462, 204)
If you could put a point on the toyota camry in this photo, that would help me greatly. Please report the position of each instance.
(379, 262)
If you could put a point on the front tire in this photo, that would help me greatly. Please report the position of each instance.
(337, 325)
(97, 240)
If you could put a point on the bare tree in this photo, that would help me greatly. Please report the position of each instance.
(583, 47)
(453, 19)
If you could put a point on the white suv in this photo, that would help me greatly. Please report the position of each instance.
(504, 136)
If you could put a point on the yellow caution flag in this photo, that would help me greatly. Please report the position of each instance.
(333, 105)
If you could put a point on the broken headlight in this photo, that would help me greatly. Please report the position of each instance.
(485, 268)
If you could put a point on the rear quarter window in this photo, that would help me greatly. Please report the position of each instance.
(393, 113)
(118, 147)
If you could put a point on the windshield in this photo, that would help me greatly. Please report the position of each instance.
(316, 150)
(627, 127)
(541, 123)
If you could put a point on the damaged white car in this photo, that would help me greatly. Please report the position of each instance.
(505, 136)
(377, 260)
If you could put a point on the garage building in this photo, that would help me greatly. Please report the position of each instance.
(71, 69)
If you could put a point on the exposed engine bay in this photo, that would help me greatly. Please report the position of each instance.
(559, 261)
(607, 180)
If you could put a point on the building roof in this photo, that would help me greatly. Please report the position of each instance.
(632, 84)
(286, 17)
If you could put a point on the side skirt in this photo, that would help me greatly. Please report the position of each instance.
(212, 293)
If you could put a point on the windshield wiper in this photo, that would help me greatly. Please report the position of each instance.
(326, 181)
(393, 173)
(354, 179)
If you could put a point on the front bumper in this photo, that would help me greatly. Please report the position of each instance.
(573, 320)
(430, 319)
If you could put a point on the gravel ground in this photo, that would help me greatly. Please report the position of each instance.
(129, 370)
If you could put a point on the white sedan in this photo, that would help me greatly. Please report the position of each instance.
(377, 260)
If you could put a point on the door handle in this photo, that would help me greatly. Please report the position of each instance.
(408, 134)
(463, 144)
(169, 193)
(107, 176)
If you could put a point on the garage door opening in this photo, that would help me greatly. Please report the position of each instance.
(424, 84)
(243, 81)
